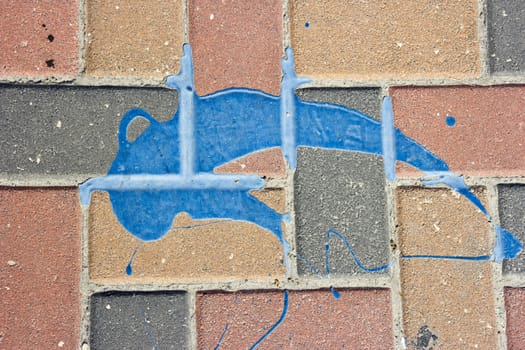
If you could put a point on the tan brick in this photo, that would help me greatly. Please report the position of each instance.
(133, 38)
(434, 221)
(210, 251)
(268, 163)
(452, 300)
(385, 39)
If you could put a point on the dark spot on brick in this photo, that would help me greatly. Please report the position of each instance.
(425, 339)
(50, 63)
(50, 38)
(43, 25)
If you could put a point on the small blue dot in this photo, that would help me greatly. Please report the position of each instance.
(307, 24)
(451, 121)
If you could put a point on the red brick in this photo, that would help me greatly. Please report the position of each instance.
(269, 163)
(36, 32)
(236, 43)
(360, 319)
(515, 306)
(39, 268)
(489, 132)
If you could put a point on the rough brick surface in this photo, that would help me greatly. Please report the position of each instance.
(139, 321)
(515, 306)
(72, 131)
(378, 39)
(39, 38)
(191, 251)
(134, 38)
(360, 319)
(269, 163)
(441, 222)
(511, 213)
(236, 44)
(448, 304)
(505, 29)
(489, 126)
(344, 192)
(39, 268)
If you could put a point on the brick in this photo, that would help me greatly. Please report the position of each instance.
(234, 250)
(515, 306)
(360, 319)
(488, 130)
(268, 163)
(511, 206)
(373, 40)
(448, 304)
(39, 268)
(344, 192)
(133, 320)
(505, 28)
(133, 38)
(59, 130)
(441, 222)
(39, 38)
(236, 44)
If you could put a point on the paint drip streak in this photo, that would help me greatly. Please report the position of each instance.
(277, 324)
(447, 257)
(221, 337)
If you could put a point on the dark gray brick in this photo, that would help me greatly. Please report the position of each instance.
(364, 99)
(344, 192)
(139, 321)
(65, 130)
(506, 25)
(511, 209)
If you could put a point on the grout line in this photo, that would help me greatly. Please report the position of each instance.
(287, 41)
(84, 282)
(290, 230)
(483, 39)
(192, 319)
(82, 28)
(185, 22)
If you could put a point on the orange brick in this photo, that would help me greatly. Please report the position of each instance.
(133, 38)
(211, 250)
(382, 39)
(435, 221)
(269, 163)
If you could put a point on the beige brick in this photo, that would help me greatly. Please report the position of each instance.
(385, 39)
(133, 38)
(209, 251)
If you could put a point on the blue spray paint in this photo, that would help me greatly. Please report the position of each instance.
(450, 120)
(129, 268)
(274, 327)
(221, 338)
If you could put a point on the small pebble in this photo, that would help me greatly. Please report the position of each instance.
(11, 263)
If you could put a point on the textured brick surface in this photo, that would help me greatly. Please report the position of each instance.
(377, 39)
(511, 215)
(448, 304)
(360, 319)
(39, 38)
(39, 268)
(133, 38)
(505, 29)
(208, 251)
(489, 126)
(236, 44)
(69, 130)
(341, 191)
(441, 222)
(139, 321)
(515, 306)
(344, 192)
(269, 163)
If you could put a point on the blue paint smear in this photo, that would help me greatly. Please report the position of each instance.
(449, 257)
(342, 238)
(221, 338)
(129, 268)
(507, 246)
(450, 120)
(335, 293)
(147, 327)
(277, 324)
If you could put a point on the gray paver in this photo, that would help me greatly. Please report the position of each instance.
(66, 130)
(506, 25)
(139, 321)
(344, 192)
(511, 200)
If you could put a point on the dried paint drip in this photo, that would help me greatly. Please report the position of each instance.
(277, 324)
(450, 120)
(221, 338)
(335, 293)
(129, 268)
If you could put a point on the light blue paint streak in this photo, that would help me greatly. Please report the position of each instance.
(448, 257)
(342, 238)
(277, 324)
(221, 338)
(389, 141)
(147, 327)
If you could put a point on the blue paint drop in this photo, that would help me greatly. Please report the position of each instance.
(335, 293)
(307, 25)
(450, 120)
(129, 268)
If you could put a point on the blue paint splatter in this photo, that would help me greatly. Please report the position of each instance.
(449, 257)
(221, 338)
(277, 324)
(307, 24)
(129, 268)
(450, 120)
(335, 293)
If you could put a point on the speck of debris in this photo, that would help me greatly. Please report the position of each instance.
(425, 339)
(50, 63)
(11, 263)
(50, 38)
